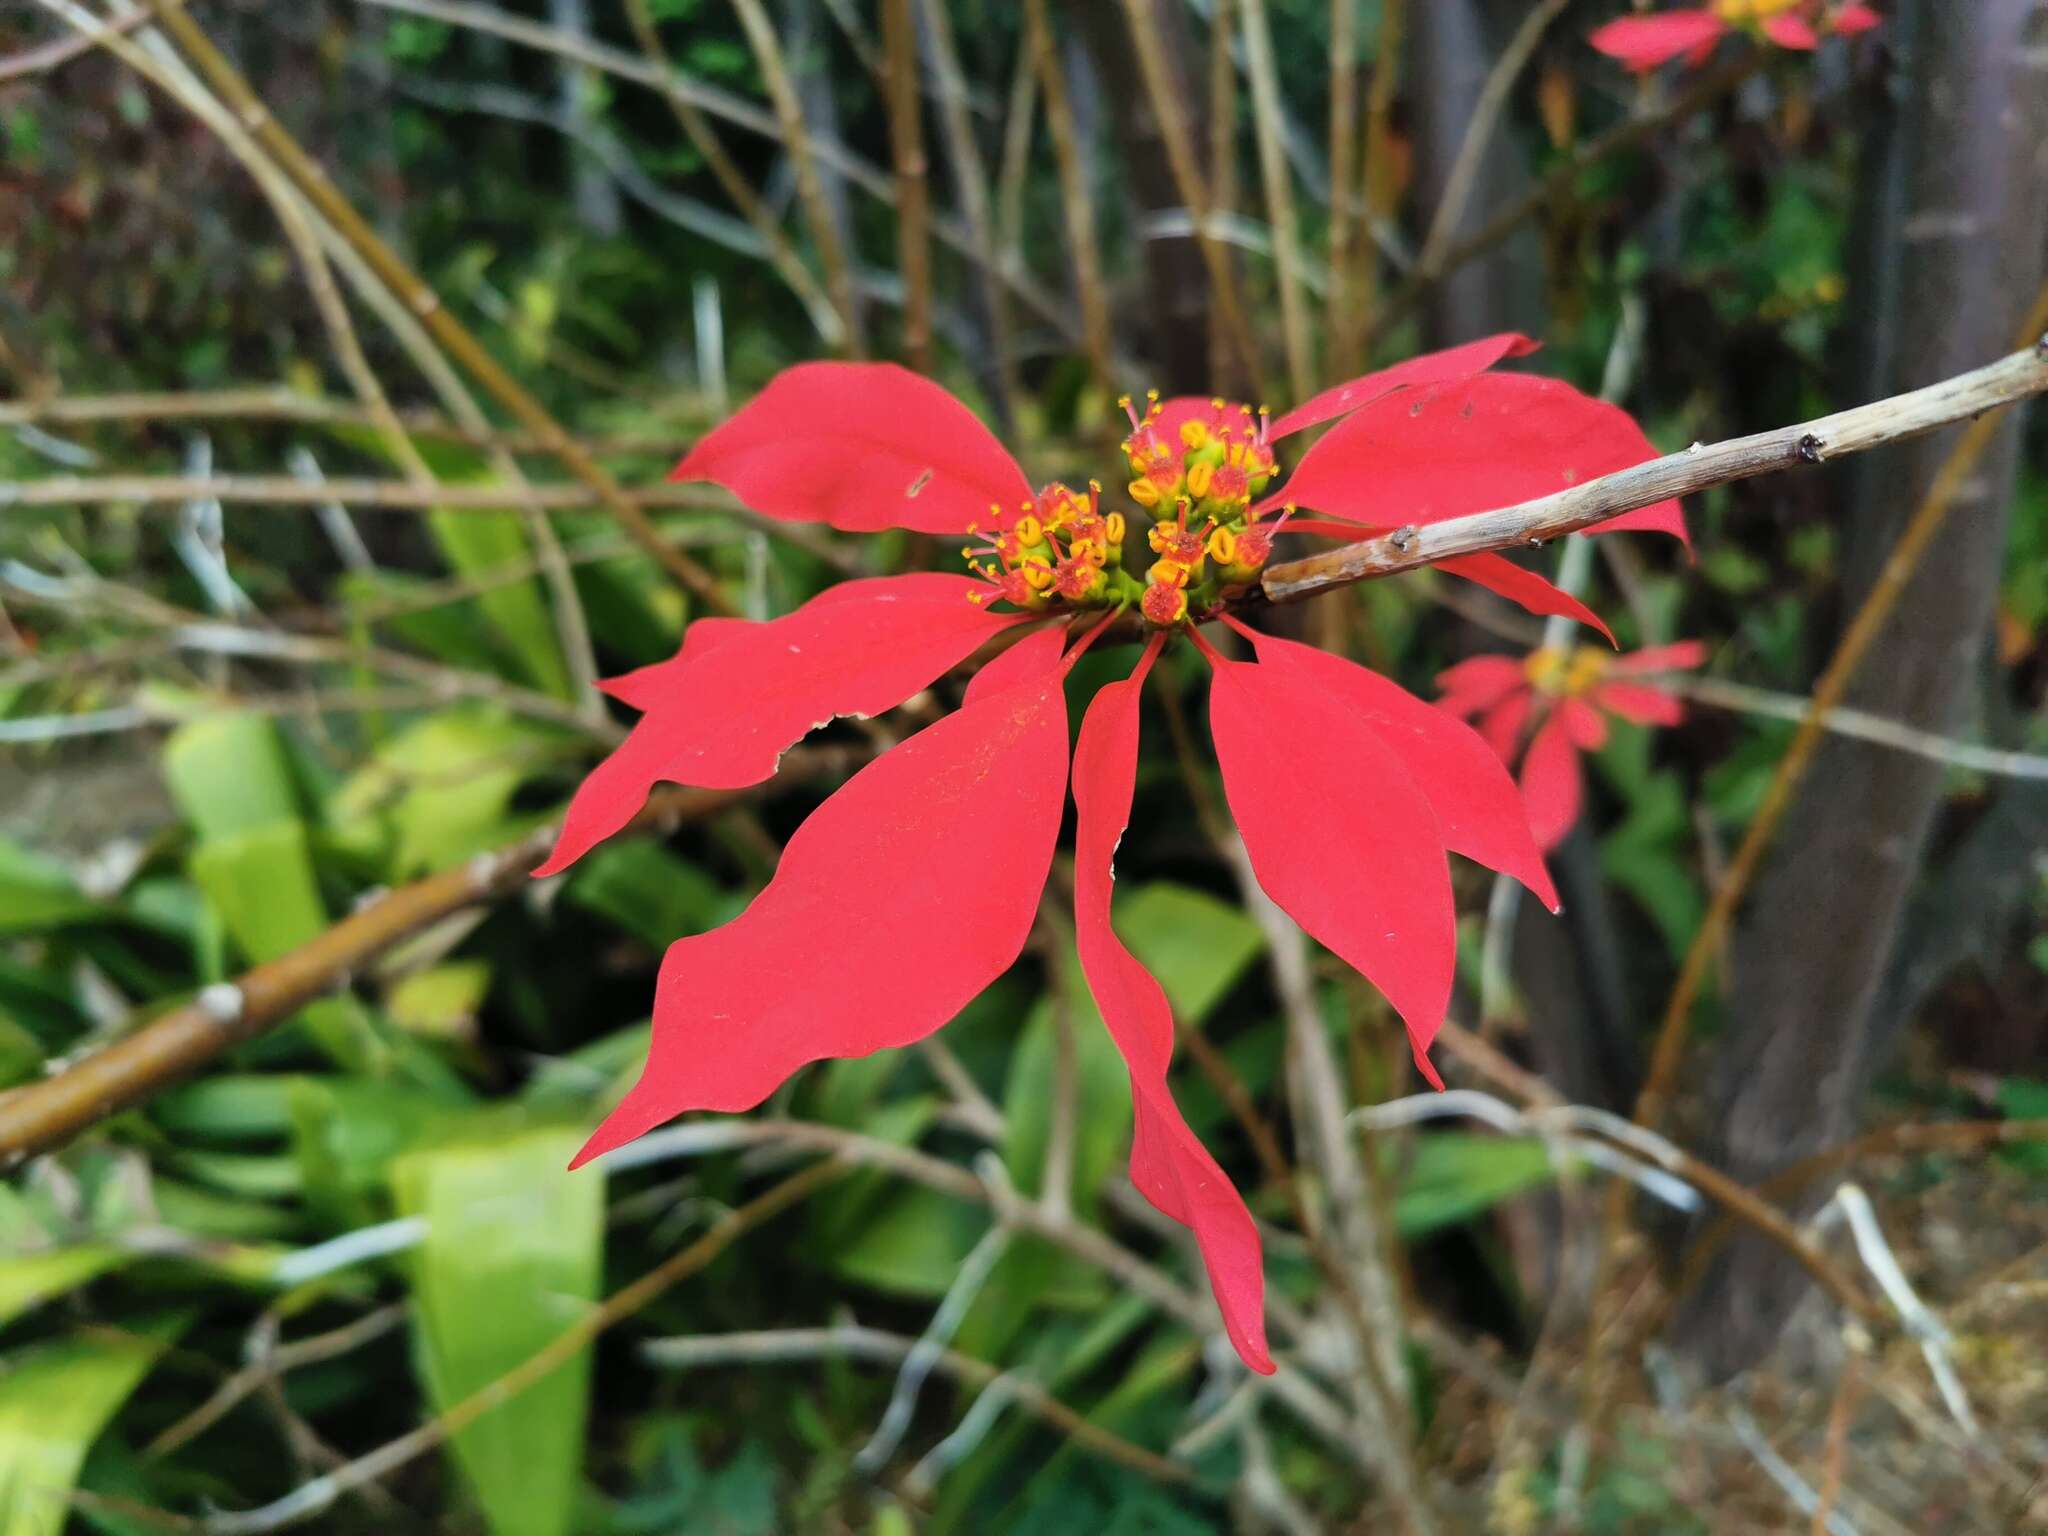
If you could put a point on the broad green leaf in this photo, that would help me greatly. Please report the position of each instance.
(513, 1256)
(1195, 944)
(912, 1244)
(440, 1001)
(37, 893)
(55, 1399)
(443, 785)
(346, 1133)
(30, 1279)
(483, 545)
(651, 893)
(1454, 1175)
(1102, 1096)
(229, 773)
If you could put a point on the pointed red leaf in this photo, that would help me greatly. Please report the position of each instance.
(1680, 656)
(1639, 702)
(1447, 366)
(644, 687)
(1550, 782)
(901, 898)
(1478, 683)
(1476, 803)
(1791, 32)
(1586, 726)
(1422, 456)
(1502, 726)
(862, 446)
(1368, 879)
(1037, 653)
(722, 715)
(1644, 42)
(1169, 1166)
(1523, 587)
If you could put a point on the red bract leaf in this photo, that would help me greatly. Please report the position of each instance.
(722, 715)
(1537, 594)
(1644, 42)
(1640, 703)
(1479, 683)
(1477, 806)
(1425, 455)
(862, 446)
(1550, 782)
(1791, 32)
(904, 895)
(1368, 877)
(1169, 1166)
(1586, 726)
(1504, 723)
(1037, 653)
(1851, 19)
(644, 687)
(1447, 366)
(1680, 656)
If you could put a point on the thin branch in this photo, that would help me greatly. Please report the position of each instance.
(1860, 724)
(1378, 188)
(1344, 201)
(288, 491)
(48, 1113)
(313, 182)
(1163, 93)
(1279, 188)
(1486, 114)
(906, 147)
(2015, 377)
(852, 1341)
(1070, 164)
(1705, 89)
(781, 254)
(970, 183)
(796, 142)
(493, 21)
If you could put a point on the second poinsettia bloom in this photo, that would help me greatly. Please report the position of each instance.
(1647, 41)
(1543, 711)
(918, 882)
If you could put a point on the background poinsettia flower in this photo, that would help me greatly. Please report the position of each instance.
(1646, 42)
(1564, 700)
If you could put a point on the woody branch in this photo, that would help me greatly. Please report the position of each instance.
(2012, 378)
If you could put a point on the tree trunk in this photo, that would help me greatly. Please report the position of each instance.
(1959, 255)
(1452, 48)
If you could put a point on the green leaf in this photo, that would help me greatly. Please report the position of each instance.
(512, 1258)
(30, 1279)
(229, 773)
(444, 786)
(1452, 1176)
(54, 1401)
(38, 893)
(913, 1244)
(1195, 944)
(482, 545)
(651, 893)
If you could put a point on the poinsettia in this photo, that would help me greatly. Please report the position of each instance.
(1645, 42)
(916, 884)
(1547, 708)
